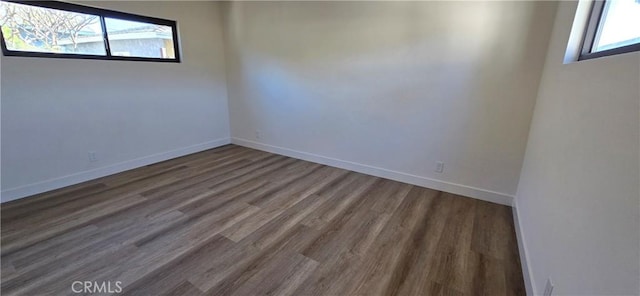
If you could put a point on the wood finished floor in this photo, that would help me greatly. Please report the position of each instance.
(237, 221)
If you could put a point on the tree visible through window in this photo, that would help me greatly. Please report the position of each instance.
(32, 28)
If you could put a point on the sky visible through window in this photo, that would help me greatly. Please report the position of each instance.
(619, 26)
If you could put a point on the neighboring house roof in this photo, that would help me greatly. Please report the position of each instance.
(146, 32)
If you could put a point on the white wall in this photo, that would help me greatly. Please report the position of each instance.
(131, 113)
(578, 201)
(390, 88)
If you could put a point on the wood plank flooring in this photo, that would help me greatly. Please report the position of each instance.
(238, 221)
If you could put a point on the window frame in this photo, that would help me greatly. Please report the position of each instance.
(595, 16)
(102, 14)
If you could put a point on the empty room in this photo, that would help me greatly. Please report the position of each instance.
(320, 148)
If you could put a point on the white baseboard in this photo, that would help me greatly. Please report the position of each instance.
(51, 184)
(522, 249)
(482, 194)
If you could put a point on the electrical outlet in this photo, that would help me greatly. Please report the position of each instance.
(439, 167)
(258, 134)
(92, 156)
(548, 288)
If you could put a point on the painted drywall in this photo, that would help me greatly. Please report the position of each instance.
(578, 200)
(54, 111)
(389, 88)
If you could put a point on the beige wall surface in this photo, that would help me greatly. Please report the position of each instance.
(54, 111)
(578, 200)
(391, 87)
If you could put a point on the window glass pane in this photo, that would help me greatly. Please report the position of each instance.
(619, 25)
(137, 39)
(36, 29)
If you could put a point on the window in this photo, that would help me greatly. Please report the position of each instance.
(64, 30)
(129, 38)
(613, 28)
